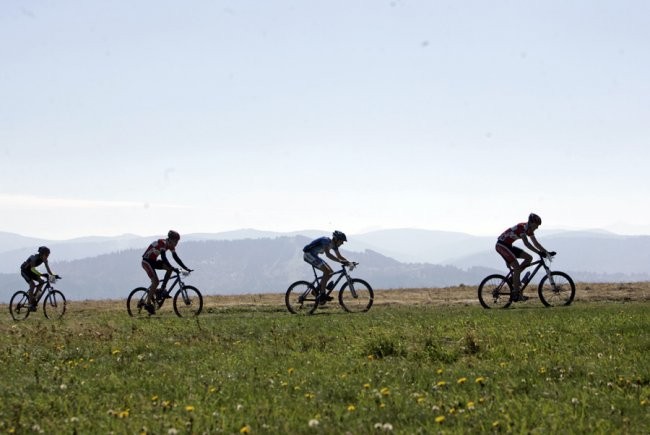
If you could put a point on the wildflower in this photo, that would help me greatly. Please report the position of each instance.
(351, 408)
(212, 390)
(123, 414)
(290, 370)
(441, 384)
(387, 427)
(575, 401)
(245, 429)
(480, 380)
(495, 424)
(166, 404)
(63, 387)
(154, 398)
(239, 407)
(542, 370)
(644, 402)
(461, 380)
(115, 351)
(378, 426)
(440, 371)
(172, 431)
(421, 399)
(384, 391)
(366, 386)
(470, 405)
(189, 408)
(309, 395)
(313, 423)
(440, 419)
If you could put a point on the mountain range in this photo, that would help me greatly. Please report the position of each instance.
(253, 261)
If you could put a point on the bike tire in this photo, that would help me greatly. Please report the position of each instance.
(562, 293)
(54, 305)
(364, 296)
(188, 301)
(19, 305)
(300, 298)
(136, 301)
(495, 291)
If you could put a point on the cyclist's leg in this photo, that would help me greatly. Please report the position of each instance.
(168, 273)
(319, 264)
(509, 254)
(31, 279)
(149, 267)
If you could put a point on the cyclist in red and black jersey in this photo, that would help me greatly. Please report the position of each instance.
(150, 263)
(526, 232)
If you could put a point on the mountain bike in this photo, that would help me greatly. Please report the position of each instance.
(54, 303)
(355, 295)
(554, 289)
(188, 300)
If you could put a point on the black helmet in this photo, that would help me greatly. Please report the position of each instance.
(173, 235)
(338, 235)
(533, 218)
(43, 250)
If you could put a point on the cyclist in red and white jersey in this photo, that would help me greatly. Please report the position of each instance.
(150, 263)
(526, 232)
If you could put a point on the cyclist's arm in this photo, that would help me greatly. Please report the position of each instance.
(165, 260)
(178, 260)
(534, 246)
(47, 266)
(336, 257)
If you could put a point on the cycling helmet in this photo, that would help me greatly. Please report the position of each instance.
(338, 235)
(43, 250)
(173, 235)
(533, 218)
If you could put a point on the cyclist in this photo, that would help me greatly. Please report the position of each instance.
(29, 272)
(523, 231)
(325, 245)
(150, 263)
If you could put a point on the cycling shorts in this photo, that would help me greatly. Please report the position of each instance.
(508, 252)
(149, 266)
(313, 259)
(29, 275)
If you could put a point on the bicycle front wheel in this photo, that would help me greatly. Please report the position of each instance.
(19, 305)
(559, 290)
(495, 291)
(54, 305)
(136, 301)
(356, 296)
(301, 298)
(188, 301)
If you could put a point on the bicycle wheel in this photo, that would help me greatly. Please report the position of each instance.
(356, 296)
(54, 305)
(560, 292)
(19, 305)
(136, 301)
(188, 301)
(495, 291)
(300, 298)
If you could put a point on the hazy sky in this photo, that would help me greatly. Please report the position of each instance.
(205, 116)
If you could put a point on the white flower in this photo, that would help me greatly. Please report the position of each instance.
(387, 427)
(313, 422)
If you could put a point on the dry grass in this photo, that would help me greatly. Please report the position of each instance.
(465, 295)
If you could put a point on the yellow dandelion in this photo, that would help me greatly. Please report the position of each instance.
(212, 390)
(290, 370)
(495, 423)
(461, 380)
(370, 357)
(440, 371)
(166, 404)
(351, 408)
(421, 400)
(189, 408)
(480, 380)
(542, 370)
(366, 386)
(503, 364)
(154, 398)
(384, 391)
(116, 351)
(245, 429)
(123, 414)
(470, 405)
(309, 395)
(441, 384)
(440, 419)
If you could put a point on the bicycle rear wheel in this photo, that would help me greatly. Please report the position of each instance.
(356, 296)
(560, 292)
(54, 305)
(495, 291)
(300, 298)
(136, 301)
(19, 305)
(188, 301)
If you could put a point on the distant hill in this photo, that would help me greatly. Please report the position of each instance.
(251, 261)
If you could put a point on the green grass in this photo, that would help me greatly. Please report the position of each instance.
(418, 369)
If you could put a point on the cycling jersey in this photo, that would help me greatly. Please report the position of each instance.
(32, 262)
(318, 246)
(156, 248)
(512, 234)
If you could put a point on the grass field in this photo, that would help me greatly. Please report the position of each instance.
(420, 361)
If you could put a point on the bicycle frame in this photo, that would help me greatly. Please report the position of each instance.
(342, 273)
(542, 262)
